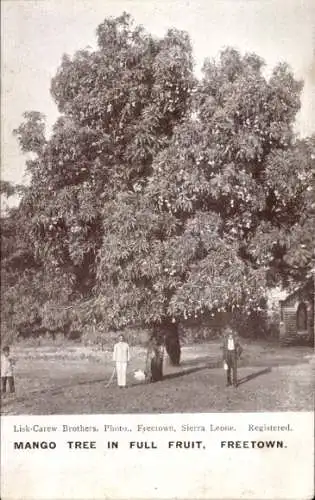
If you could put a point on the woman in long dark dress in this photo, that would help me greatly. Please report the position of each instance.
(154, 361)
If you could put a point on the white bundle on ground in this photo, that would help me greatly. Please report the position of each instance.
(139, 375)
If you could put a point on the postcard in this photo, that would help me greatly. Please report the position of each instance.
(157, 259)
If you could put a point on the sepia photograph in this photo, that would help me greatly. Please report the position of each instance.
(157, 207)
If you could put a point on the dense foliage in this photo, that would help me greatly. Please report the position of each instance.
(159, 197)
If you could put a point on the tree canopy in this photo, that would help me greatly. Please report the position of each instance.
(219, 218)
(159, 196)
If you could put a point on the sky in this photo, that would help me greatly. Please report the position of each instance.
(35, 35)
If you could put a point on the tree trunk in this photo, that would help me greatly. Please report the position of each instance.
(172, 344)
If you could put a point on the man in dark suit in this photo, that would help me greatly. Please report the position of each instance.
(232, 350)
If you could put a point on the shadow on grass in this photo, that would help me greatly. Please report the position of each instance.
(272, 363)
(170, 376)
(197, 361)
(58, 390)
(181, 373)
(254, 375)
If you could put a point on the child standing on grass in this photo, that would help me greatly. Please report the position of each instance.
(7, 371)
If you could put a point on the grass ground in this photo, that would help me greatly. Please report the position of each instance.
(72, 380)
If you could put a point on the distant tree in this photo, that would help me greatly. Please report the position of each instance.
(6, 188)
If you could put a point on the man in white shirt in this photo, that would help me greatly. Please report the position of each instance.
(7, 374)
(121, 356)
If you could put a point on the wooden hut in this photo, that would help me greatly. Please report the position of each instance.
(297, 314)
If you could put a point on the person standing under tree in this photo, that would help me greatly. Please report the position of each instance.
(7, 371)
(231, 352)
(121, 356)
(154, 360)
